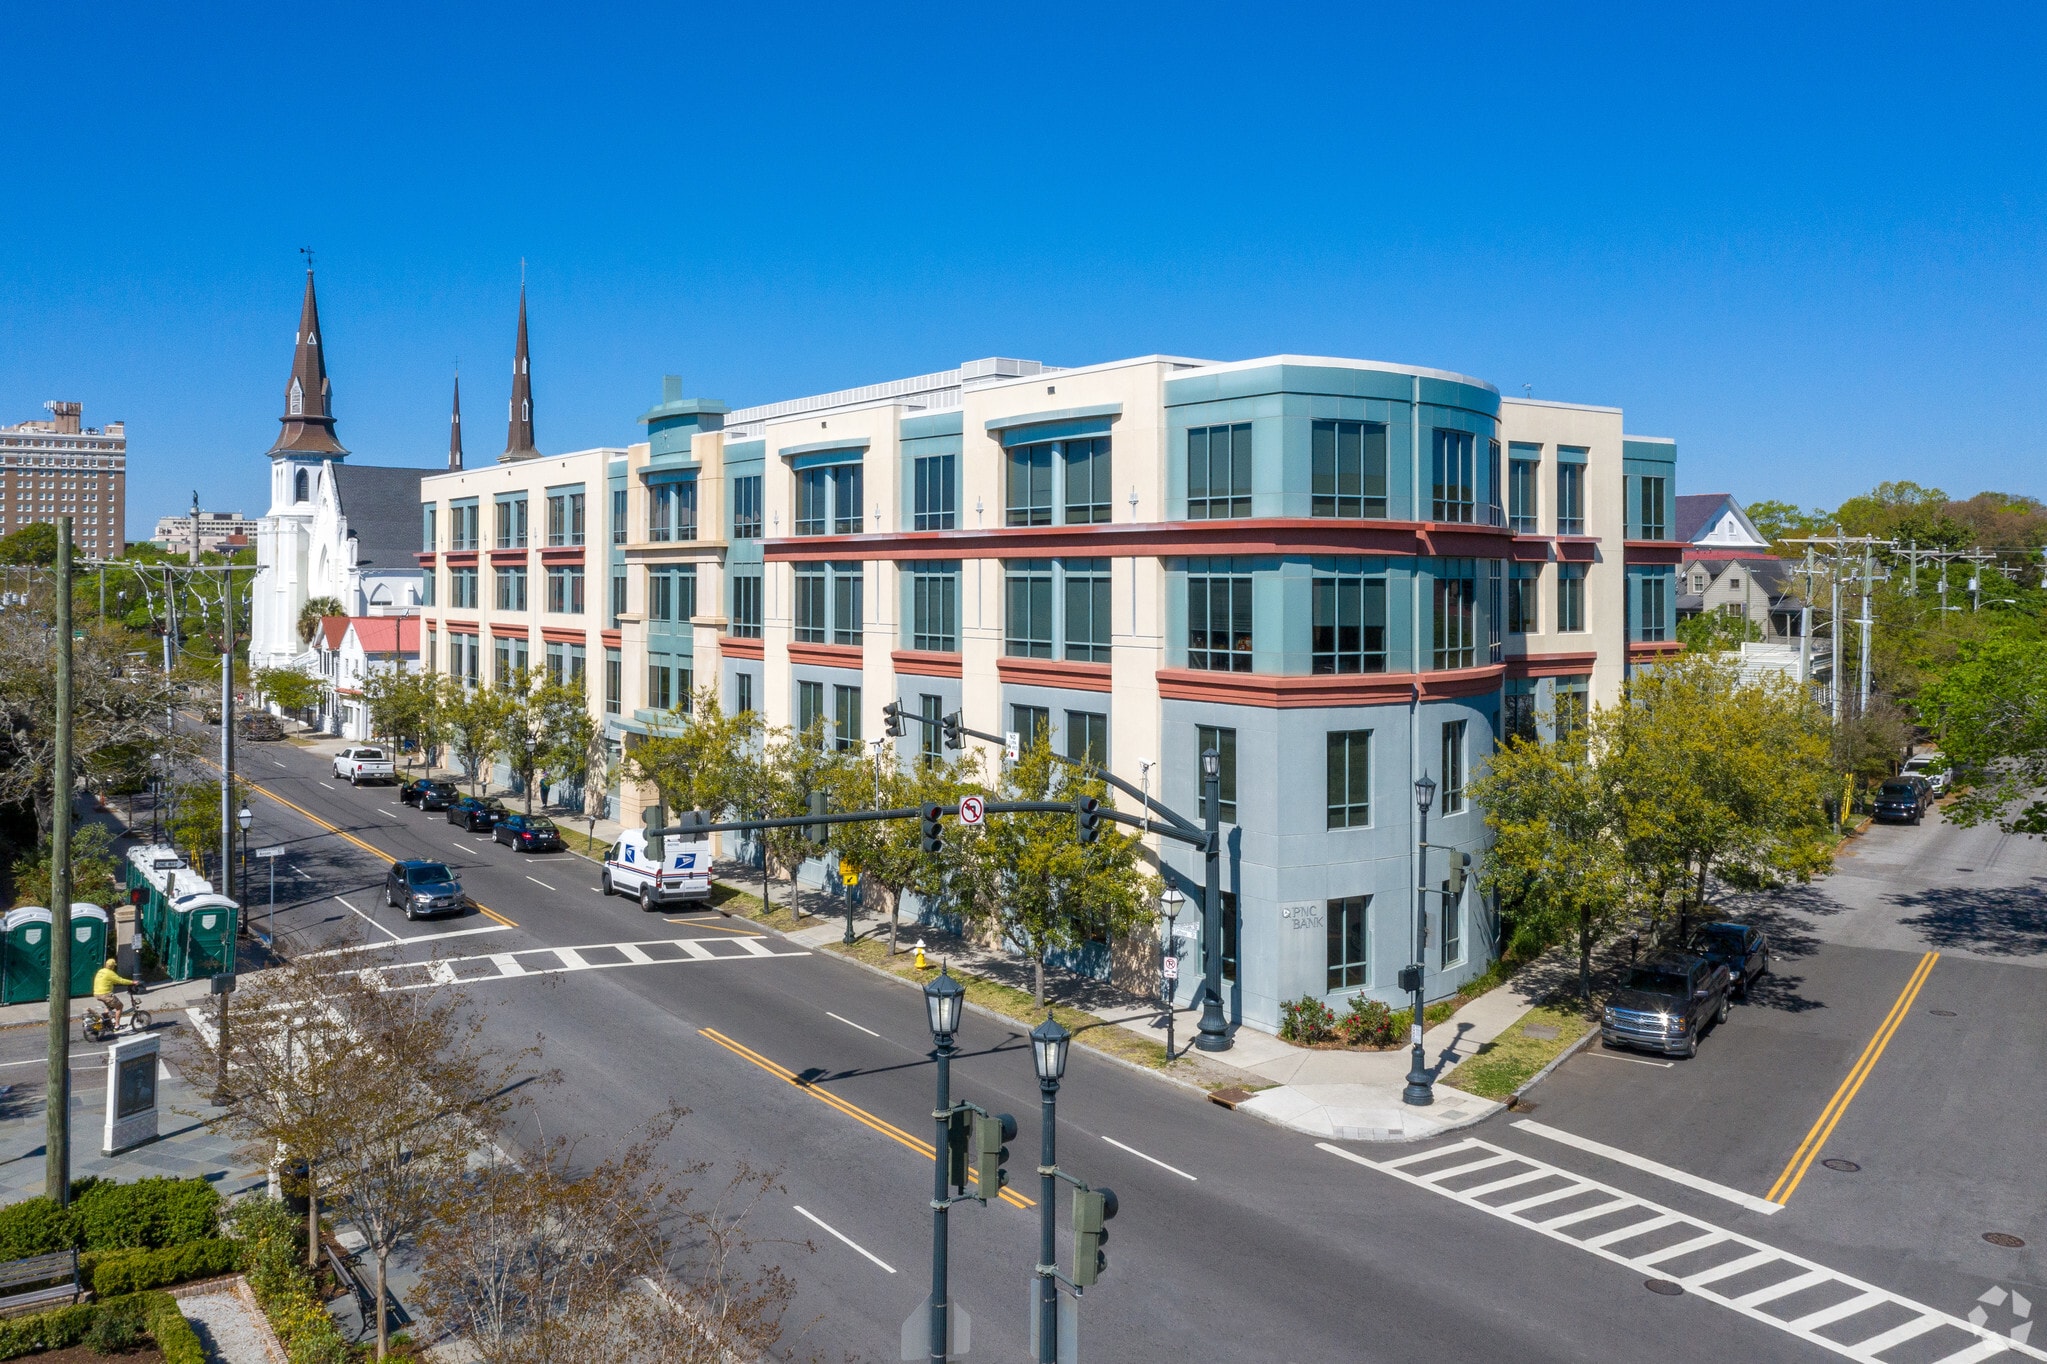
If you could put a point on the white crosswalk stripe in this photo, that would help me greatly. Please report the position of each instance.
(548, 961)
(1861, 1319)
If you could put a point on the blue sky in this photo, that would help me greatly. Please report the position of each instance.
(1808, 245)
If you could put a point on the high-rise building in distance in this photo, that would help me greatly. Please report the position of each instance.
(59, 466)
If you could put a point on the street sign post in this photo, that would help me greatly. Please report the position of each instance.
(1012, 746)
(972, 810)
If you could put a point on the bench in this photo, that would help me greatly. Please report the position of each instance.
(43, 1275)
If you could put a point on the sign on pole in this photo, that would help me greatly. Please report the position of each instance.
(270, 852)
(1171, 967)
(1011, 746)
(166, 863)
(972, 812)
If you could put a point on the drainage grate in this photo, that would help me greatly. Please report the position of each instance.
(1942, 1013)
(1667, 1287)
(2005, 1239)
(1846, 1167)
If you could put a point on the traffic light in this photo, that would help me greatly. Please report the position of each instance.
(819, 833)
(1089, 810)
(991, 1130)
(950, 726)
(959, 1138)
(651, 830)
(934, 828)
(892, 719)
(1460, 868)
(1092, 1208)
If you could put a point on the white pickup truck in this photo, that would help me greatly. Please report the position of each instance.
(359, 765)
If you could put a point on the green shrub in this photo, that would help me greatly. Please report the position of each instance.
(57, 1330)
(116, 1326)
(273, 1259)
(131, 1271)
(1306, 1019)
(1367, 1023)
(174, 1336)
(36, 1226)
(147, 1214)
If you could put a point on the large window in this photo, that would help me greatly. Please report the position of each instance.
(1087, 610)
(1346, 919)
(1218, 622)
(1027, 608)
(1570, 490)
(828, 603)
(1349, 469)
(1349, 628)
(1517, 719)
(672, 510)
(462, 528)
(936, 501)
(1523, 614)
(930, 737)
(511, 522)
(614, 681)
(935, 607)
(428, 515)
(746, 606)
(1651, 526)
(1453, 478)
(565, 591)
(618, 598)
(747, 518)
(847, 618)
(811, 613)
(809, 706)
(1572, 704)
(1350, 778)
(1570, 597)
(1218, 472)
(428, 577)
(1224, 743)
(462, 587)
(1456, 614)
(813, 501)
(1029, 493)
(1028, 722)
(1453, 928)
(1451, 797)
(660, 595)
(1523, 467)
(619, 531)
(1087, 737)
(565, 517)
(511, 589)
(742, 693)
(828, 500)
(1654, 610)
(1088, 494)
(845, 718)
(848, 516)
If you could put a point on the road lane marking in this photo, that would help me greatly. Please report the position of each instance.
(851, 1024)
(1142, 1156)
(368, 920)
(407, 942)
(384, 814)
(263, 790)
(275, 763)
(853, 1111)
(1643, 1163)
(1756, 1273)
(1634, 1060)
(549, 961)
(634, 955)
(1801, 1159)
(542, 884)
(843, 1237)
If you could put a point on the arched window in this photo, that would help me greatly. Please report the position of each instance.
(298, 400)
(302, 489)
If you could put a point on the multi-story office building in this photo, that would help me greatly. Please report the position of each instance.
(1338, 574)
(218, 531)
(59, 466)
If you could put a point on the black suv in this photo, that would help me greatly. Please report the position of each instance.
(1665, 1004)
(1743, 950)
(1903, 798)
(429, 794)
(423, 889)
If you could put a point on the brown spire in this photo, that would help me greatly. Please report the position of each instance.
(308, 417)
(455, 427)
(519, 439)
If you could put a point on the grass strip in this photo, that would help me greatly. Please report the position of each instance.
(1504, 1064)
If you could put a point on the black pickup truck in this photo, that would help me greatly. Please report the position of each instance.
(1665, 1004)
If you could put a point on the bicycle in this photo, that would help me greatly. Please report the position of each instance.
(100, 1026)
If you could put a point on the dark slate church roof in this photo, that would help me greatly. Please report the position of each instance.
(382, 507)
(1695, 511)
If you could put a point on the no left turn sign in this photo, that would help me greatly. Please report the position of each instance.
(971, 811)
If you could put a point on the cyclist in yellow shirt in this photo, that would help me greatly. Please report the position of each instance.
(103, 983)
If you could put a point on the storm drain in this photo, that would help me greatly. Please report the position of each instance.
(1846, 1167)
(1669, 1288)
(2005, 1239)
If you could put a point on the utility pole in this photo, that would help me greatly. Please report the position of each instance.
(57, 1087)
(1805, 624)
(1868, 570)
(1834, 619)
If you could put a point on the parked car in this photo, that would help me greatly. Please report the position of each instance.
(683, 872)
(1904, 798)
(423, 889)
(429, 793)
(259, 725)
(1743, 950)
(477, 813)
(528, 833)
(1665, 1004)
(361, 763)
(1931, 766)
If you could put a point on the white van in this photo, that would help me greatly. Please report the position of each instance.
(684, 875)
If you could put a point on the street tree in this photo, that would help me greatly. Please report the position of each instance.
(476, 718)
(889, 854)
(293, 692)
(548, 734)
(406, 709)
(1989, 711)
(705, 759)
(794, 764)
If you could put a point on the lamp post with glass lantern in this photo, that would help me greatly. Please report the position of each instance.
(943, 999)
(1215, 1029)
(1170, 903)
(1049, 1043)
(1420, 1089)
(244, 817)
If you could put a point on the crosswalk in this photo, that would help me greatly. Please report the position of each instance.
(1829, 1309)
(551, 961)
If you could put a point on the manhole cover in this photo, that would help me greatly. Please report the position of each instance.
(1668, 1288)
(1846, 1167)
(2005, 1239)
(1942, 1013)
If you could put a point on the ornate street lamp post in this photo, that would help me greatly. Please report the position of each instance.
(1215, 1029)
(1049, 1043)
(1420, 1089)
(943, 999)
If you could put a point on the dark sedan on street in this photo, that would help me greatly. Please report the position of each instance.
(1903, 798)
(423, 889)
(528, 833)
(1743, 950)
(429, 794)
(478, 814)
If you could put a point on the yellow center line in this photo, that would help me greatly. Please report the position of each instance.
(1801, 1159)
(259, 788)
(853, 1111)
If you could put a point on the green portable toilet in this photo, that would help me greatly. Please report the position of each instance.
(157, 876)
(200, 936)
(25, 955)
(92, 942)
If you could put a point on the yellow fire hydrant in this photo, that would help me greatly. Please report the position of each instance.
(921, 963)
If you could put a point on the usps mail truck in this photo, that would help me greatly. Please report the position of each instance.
(684, 873)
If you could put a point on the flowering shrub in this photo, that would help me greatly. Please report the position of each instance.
(1367, 1023)
(1306, 1020)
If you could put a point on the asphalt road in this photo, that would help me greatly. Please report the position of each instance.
(1236, 1239)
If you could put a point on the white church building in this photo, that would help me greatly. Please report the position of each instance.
(334, 529)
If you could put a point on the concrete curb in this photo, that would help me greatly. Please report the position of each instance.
(1381, 1135)
(1566, 1054)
